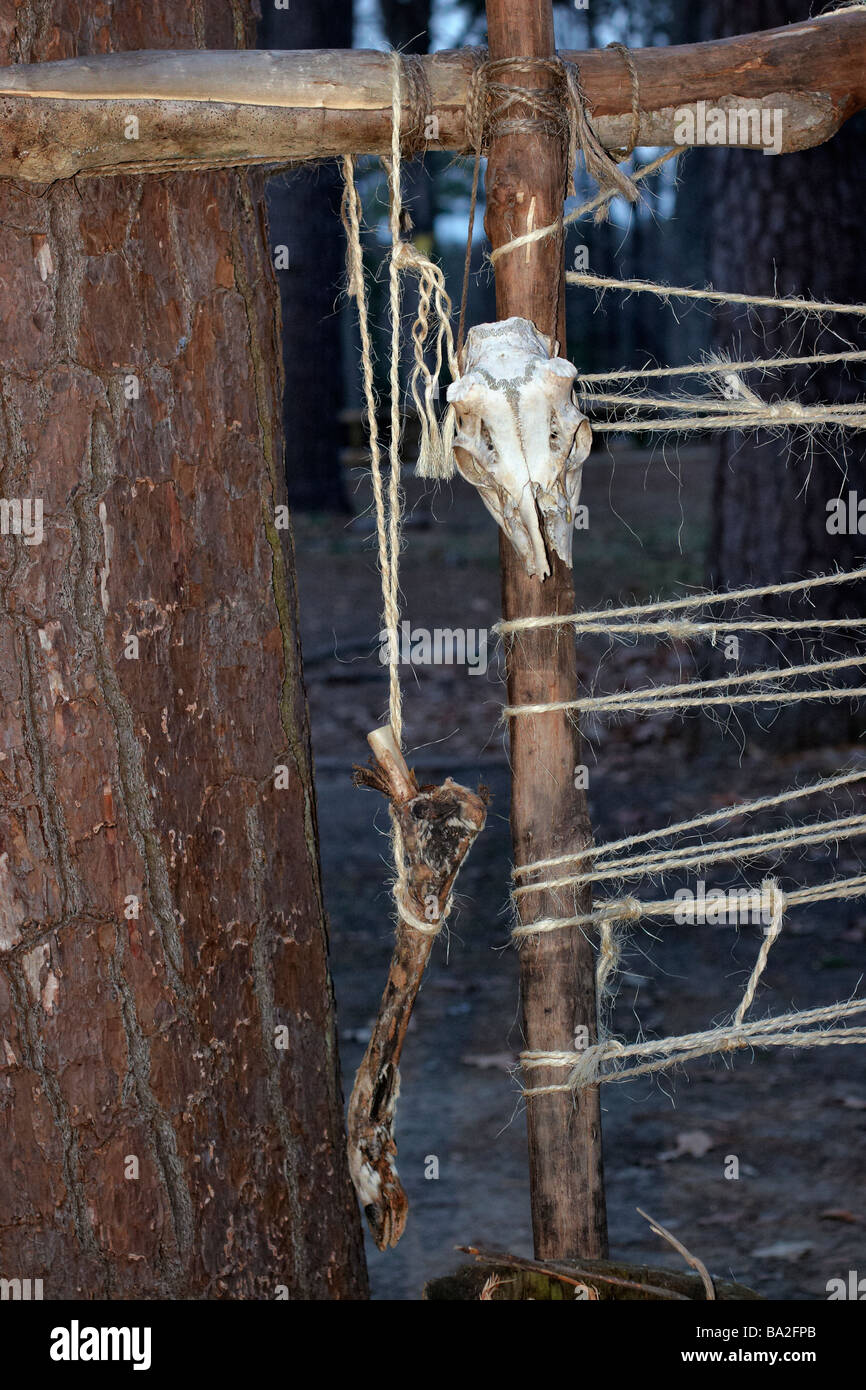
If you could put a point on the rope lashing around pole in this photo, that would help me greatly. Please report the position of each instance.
(634, 134)
(494, 107)
(560, 109)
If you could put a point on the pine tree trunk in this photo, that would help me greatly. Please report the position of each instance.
(169, 1089)
(790, 225)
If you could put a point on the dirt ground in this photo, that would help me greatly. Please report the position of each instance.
(796, 1120)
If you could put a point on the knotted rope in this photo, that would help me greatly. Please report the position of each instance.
(634, 909)
(433, 302)
(559, 109)
(586, 1068)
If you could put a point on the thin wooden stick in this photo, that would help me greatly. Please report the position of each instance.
(548, 813)
(689, 1258)
(572, 1274)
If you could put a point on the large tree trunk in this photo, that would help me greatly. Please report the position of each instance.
(789, 225)
(169, 1091)
(303, 212)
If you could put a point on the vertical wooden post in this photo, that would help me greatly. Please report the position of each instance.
(548, 812)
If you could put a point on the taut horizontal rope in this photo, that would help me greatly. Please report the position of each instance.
(775, 417)
(764, 301)
(679, 605)
(740, 406)
(710, 852)
(633, 909)
(683, 628)
(688, 694)
(722, 368)
(783, 1031)
(735, 810)
(713, 404)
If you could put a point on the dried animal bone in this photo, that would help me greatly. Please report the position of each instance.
(437, 826)
(520, 439)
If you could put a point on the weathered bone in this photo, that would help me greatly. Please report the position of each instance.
(438, 826)
(520, 439)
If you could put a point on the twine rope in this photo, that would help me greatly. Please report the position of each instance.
(690, 693)
(586, 1068)
(784, 1030)
(765, 301)
(721, 367)
(351, 212)
(495, 108)
(709, 852)
(605, 195)
(419, 101)
(631, 909)
(784, 410)
(631, 67)
(408, 77)
(638, 612)
(410, 916)
(732, 812)
(682, 629)
(746, 410)
(775, 417)
(581, 869)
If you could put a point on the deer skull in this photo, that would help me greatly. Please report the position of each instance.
(520, 439)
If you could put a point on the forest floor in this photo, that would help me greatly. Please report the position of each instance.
(795, 1217)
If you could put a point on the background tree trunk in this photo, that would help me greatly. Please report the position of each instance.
(161, 915)
(303, 213)
(792, 226)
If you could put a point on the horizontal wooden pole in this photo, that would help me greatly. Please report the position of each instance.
(199, 109)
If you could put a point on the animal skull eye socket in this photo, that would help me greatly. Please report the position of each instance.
(528, 480)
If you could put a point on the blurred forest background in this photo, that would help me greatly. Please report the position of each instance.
(664, 513)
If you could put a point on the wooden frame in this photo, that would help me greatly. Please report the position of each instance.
(208, 110)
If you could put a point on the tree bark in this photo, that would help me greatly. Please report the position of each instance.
(304, 219)
(169, 1084)
(548, 813)
(790, 226)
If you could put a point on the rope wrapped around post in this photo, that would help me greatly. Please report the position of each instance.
(561, 110)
